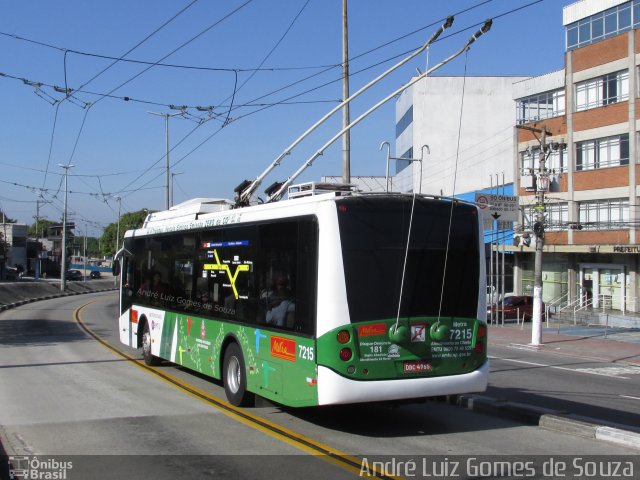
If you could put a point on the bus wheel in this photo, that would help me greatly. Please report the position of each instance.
(235, 377)
(149, 359)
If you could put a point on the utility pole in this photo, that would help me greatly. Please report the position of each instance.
(39, 262)
(166, 163)
(346, 137)
(63, 267)
(115, 279)
(173, 175)
(542, 186)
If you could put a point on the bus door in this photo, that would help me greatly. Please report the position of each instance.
(128, 321)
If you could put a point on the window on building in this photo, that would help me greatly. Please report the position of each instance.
(601, 25)
(541, 106)
(556, 216)
(402, 164)
(555, 161)
(602, 153)
(601, 91)
(404, 122)
(604, 214)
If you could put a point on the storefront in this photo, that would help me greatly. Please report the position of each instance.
(604, 276)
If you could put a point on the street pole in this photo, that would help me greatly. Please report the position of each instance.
(166, 163)
(63, 267)
(39, 262)
(84, 254)
(173, 175)
(115, 278)
(346, 138)
(542, 185)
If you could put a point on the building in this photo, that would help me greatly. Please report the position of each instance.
(458, 135)
(461, 130)
(591, 112)
(15, 236)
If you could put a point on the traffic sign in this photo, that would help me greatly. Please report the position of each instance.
(498, 207)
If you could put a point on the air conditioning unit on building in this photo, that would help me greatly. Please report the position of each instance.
(528, 182)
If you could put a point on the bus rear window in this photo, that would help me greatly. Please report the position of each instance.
(374, 232)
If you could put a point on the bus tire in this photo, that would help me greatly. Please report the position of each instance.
(149, 358)
(234, 376)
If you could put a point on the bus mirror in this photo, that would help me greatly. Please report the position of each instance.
(115, 269)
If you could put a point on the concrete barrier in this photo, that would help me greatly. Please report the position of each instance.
(13, 294)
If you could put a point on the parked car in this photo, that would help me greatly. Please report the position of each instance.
(516, 306)
(95, 274)
(73, 275)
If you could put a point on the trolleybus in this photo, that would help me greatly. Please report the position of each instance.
(324, 298)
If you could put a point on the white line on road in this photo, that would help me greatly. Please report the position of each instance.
(603, 372)
(629, 396)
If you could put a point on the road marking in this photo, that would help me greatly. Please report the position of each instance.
(341, 459)
(612, 372)
(629, 396)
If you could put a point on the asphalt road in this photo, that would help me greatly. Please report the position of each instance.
(607, 392)
(63, 394)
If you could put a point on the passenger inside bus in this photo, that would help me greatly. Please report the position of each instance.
(280, 310)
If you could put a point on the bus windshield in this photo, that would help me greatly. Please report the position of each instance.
(374, 233)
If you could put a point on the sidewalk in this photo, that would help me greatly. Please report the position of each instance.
(620, 345)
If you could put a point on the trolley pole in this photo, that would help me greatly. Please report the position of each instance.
(542, 186)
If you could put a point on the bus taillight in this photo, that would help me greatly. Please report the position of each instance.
(344, 336)
(479, 347)
(482, 331)
(345, 354)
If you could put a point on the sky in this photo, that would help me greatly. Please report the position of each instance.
(79, 80)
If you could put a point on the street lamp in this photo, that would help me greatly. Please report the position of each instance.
(166, 130)
(63, 267)
(406, 160)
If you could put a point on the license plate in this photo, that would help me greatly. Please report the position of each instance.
(415, 366)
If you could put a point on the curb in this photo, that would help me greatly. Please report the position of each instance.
(549, 419)
(8, 306)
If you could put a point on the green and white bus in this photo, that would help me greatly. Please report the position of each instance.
(329, 298)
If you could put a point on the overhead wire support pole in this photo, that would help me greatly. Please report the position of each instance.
(63, 266)
(166, 132)
(245, 193)
(542, 185)
(279, 192)
(346, 139)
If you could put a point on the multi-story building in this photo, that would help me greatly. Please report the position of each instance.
(449, 115)
(591, 111)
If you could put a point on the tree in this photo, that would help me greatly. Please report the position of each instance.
(4, 247)
(5, 219)
(128, 221)
(43, 224)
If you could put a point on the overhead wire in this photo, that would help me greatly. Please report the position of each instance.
(327, 83)
(275, 103)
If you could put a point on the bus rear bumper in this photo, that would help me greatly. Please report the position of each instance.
(336, 389)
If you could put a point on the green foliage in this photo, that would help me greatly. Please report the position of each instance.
(43, 224)
(128, 221)
(5, 219)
